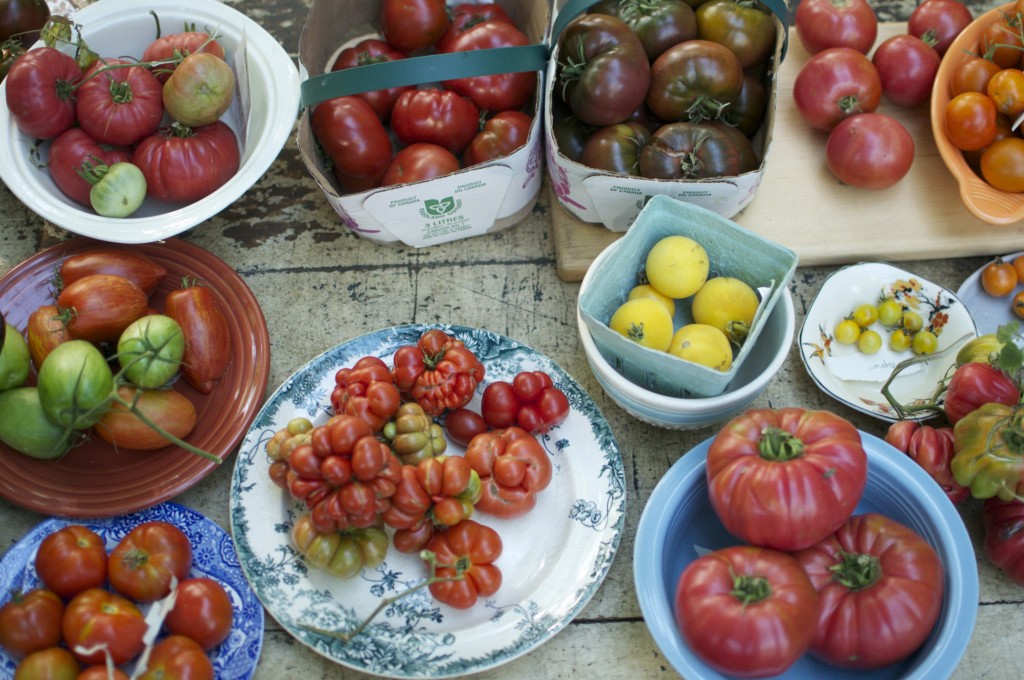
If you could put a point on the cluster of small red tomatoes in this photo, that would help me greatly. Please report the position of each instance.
(664, 90)
(839, 88)
(381, 462)
(479, 118)
(987, 92)
(855, 590)
(90, 609)
(121, 130)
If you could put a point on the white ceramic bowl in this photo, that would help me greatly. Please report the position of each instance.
(126, 27)
(764, 361)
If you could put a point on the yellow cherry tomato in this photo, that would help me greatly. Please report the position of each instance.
(869, 342)
(865, 315)
(890, 312)
(646, 290)
(677, 266)
(644, 321)
(702, 344)
(728, 304)
(847, 332)
(924, 342)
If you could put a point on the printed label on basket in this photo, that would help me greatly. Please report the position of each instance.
(444, 209)
(619, 199)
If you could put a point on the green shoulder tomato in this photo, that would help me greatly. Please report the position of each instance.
(150, 350)
(989, 451)
(118, 191)
(15, 359)
(25, 427)
(75, 384)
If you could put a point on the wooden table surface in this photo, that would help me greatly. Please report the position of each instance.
(319, 285)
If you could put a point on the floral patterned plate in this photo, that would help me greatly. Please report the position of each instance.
(553, 561)
(213, 556)
(855, 378)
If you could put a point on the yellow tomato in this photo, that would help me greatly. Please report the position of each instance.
(702, 344)
(644, 321)
(728, 304)
(677, 266)
(648, 291)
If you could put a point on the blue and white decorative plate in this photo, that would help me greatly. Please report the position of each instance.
(856, 379)
(553, 561)
(213, 556)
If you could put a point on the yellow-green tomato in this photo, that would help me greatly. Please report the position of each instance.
(25, 428)
(702, 344)
(199, 90)
(865, 314)
(150, 350)
(924, 342)
(847, 332)
(645, 321)
(15, 359)
(119, 192)
(869, 342)
(890, 312)
(677, 266)
(900, 340)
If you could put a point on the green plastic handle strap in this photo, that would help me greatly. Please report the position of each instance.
(429, 68)
(571, 9)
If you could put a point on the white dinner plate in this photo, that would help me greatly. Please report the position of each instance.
(554, 558)
(989, 312)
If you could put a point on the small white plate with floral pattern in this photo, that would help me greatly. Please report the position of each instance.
(857, 379)
(554, 558)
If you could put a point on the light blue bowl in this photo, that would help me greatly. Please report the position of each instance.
(678, 519)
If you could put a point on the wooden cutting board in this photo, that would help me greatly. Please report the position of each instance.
(802, 206)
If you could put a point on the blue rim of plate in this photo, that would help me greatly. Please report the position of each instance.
(213, 556)
(659, 518)
(417, 638)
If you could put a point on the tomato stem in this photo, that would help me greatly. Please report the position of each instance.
(779, 445)
(904, 410)
(750, 589)
(856, 571)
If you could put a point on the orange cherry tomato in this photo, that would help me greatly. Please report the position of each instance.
(1001, 41)
(998, 277)
(971, 121)
(1006, 90)
(1002, 166)
(972, 75)
(1017, 305)
(1018, 262)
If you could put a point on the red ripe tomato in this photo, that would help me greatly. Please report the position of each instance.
(465, 16)
(40, 94)
(500, 92)
(501, 135)
(202, 611)
(72, 149)
(411, 25)
(52, 663)
(499, 404)
(119, 105)
(880, 586)
(418, 162)
(746, 611)
(435, 116)
(30, 622)
(906, 66)
(474, 548)
(183, 164)
(372, 51)
(834, 84)
(821, 24)
(939, 20)
(870, 151)
(103, 622)
(101, 673)
(785, 478)
(462, 425)
(513, 468)
(976, 383)
(176, 45)
(355, 140)
(177, 658)
(142, 563)
(1004, 536)
(72, 559)
(971, 121)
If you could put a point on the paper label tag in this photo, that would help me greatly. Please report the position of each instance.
(242, 89)
(855, 365)
(441, 210)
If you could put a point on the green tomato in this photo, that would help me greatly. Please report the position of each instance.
(119, 192)
(847, 332)
(15, 360)
(75, 385)
(890, 312)
(869, 342)
(150, 350)
(25, 428)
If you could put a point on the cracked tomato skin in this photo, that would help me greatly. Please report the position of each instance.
(785, 478)
(513, 468)
(470, 548)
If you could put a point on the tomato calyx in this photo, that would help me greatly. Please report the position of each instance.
(850, 104)
(856, 571)
(750, 589)
(779, 445)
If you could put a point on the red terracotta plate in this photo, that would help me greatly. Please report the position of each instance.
(94, 480)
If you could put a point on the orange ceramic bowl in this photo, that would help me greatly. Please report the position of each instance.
(983, 200)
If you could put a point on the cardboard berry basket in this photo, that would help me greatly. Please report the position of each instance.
(615, 199)
(473, 201)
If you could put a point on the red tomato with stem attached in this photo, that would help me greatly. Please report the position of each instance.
(746, 611)
(502, 135)
(103, 622)
(906, 66)
(41, 92)
(70, 151)
(821, 24)
(142, 564)
(785, 478)
(72, 559)
(465, 16)
(99, 307)
(1002, 41)
(202, 611)
(834, 84)
(182, 164)
(411, 25)
(354, 140)
(434, 116)
(30, 622)
(693, 81)
(468, 549)
(119, 104)
(939, 21)
(373, 51)
(870, 151)
(502, 91)
(880, 587)
(168, 48)
(418, 162)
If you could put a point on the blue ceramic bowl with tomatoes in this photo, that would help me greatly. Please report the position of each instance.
(678, 524)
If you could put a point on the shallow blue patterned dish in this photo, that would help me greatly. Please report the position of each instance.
(213, 556)
(554, 558)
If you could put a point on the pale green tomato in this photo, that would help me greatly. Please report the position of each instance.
(25, 427)
(15, 360)
(120, 191)
(869, 342)
(150, 350)
(890, 312)
(900, 340)
(924, 342)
